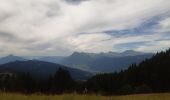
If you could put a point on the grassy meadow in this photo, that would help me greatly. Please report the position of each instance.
(12, 96)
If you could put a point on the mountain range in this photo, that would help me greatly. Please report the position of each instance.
(104, 62)
(91, 62)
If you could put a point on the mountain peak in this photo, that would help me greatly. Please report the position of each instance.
(10, 55)
(74, 53)
(127, 51)
(131, 53)
(11, 58)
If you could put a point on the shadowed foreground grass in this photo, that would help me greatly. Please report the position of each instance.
(12, 96)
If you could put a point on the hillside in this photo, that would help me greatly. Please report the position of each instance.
(40, 69)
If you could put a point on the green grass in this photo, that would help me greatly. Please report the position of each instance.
(12, 96)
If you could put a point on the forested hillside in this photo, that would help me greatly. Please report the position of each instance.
(151, 75)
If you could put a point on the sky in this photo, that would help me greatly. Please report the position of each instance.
(60, 27)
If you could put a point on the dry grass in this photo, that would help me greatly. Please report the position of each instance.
(13, 96)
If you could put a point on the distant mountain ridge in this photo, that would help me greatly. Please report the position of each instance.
(111, 54)
(91, 62)
(104, 62)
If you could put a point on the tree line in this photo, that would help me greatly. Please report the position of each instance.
(60, 82)
(151, 75)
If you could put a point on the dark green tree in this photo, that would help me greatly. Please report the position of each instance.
(63, 81)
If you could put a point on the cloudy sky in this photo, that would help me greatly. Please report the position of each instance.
(60, 27)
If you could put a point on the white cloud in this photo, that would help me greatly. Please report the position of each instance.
(59, 28)
(97, 42)
(164, 25)
(155, 46)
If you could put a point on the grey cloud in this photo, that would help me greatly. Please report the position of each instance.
(53, 10)
(75, 1)
(36, 47)
(4, 16)
(12, 38)
(52, 13)
(7, 36)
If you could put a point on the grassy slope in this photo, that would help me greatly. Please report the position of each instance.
(9, 96)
